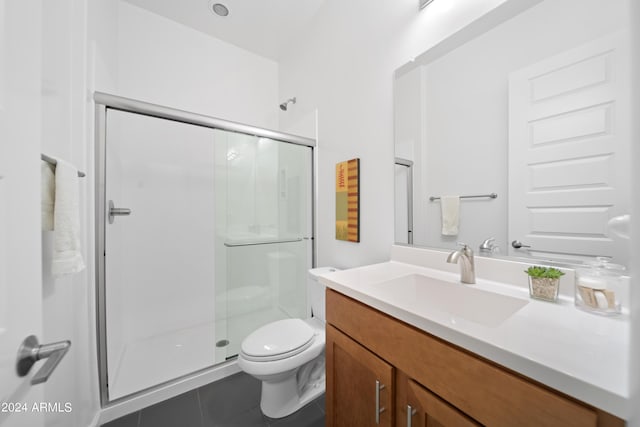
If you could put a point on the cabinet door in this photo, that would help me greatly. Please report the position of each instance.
(425, 409)
(359, 384)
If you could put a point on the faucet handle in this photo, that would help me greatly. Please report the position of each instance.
(466, 249)
(488, 244)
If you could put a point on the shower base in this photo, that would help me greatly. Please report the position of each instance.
(156, 360)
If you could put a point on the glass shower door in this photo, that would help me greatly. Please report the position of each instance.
(159, 258)
(264, 227)
(208, 239)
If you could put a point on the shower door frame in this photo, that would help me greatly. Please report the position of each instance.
(103, 102)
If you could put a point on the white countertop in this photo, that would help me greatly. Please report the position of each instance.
(580, 354)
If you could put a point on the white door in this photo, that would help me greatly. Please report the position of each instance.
(20, 235)
(569, 151)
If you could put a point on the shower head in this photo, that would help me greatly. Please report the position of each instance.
(283, 106)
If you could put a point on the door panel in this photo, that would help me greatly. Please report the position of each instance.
(568, 151)
(159, 259)
(353, 374)
(20, 235)
(263, 220)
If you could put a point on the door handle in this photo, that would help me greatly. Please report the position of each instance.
(518, 244)
(30, 352)
(113, 212)
(410, 413)
(379, 409)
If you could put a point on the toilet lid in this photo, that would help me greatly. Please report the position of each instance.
(277, 340)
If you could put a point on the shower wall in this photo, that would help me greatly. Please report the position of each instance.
(161, 256)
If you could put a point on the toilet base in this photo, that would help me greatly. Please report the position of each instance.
(281, 399)
(289, 384)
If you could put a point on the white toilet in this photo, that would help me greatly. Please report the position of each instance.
(288, 355)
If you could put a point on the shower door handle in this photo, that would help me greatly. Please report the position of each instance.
(113, 212)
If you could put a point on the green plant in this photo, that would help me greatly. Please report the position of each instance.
(544, 272)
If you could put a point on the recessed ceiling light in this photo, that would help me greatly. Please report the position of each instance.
(219, 9)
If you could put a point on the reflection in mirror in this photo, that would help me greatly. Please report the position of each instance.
(404, 201)
(536, 110)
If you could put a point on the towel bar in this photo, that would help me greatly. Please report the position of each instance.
(267, 242)
(491, 196)
(54, 162)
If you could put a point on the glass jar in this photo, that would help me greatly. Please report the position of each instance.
(544, 288)
(598, 287)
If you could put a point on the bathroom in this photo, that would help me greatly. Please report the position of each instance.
(338, 63)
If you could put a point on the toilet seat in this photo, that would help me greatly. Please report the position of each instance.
(277, 340)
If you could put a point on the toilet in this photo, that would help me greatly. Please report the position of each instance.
(288, 355)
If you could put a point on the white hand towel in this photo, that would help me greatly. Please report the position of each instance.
(67, 258)
(450, 206)
(47, 195)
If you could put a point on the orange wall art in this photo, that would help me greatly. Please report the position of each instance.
(348, 200)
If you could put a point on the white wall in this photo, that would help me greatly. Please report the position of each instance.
(163, 62)
(68, 302)
(166, 179)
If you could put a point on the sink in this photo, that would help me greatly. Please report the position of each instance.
(428, 296)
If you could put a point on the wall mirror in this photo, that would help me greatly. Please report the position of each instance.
(531, 102)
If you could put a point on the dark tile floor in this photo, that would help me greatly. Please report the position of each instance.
(231, 402)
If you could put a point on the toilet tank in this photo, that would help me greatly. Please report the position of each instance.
(316, 291)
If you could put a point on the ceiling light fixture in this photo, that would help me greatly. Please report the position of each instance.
(219, 9)
(424, 3)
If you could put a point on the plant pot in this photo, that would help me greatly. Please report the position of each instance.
(544, 288)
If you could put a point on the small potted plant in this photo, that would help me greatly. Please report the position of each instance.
(544, 282)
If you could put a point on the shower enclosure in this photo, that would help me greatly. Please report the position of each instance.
(204, 234)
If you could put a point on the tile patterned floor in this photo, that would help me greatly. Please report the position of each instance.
(230, 402)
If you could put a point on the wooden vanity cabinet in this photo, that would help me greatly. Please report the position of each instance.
(359, 384)
(444, 384)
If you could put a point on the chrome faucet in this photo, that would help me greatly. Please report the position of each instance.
(489, 246)
(467, 268)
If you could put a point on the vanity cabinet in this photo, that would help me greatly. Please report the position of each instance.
(360, 384)
(444, 384)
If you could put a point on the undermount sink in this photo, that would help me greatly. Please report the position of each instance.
(426, 294)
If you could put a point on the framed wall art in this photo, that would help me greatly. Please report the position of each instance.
(348, 200)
